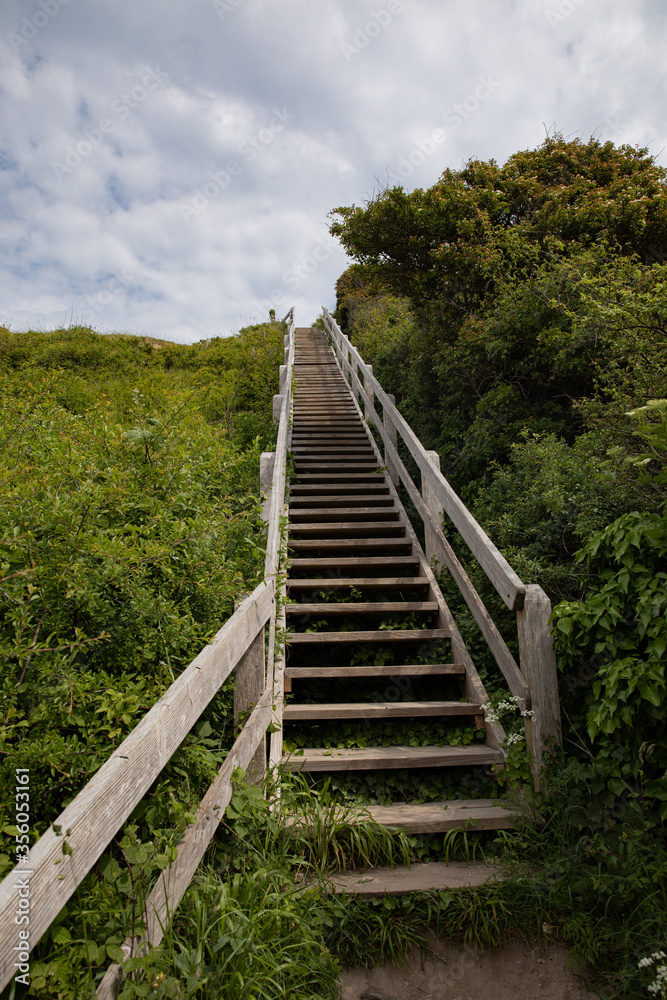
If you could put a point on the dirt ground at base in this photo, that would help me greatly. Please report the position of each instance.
(516, 972)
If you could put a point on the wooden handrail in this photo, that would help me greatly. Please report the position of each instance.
(500, 573)
(59, 861)
(534, 680)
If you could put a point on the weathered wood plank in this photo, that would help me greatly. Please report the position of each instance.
(381, 635)
(379, 710)
(436, 817)
(432, 876)
(170, 888)
(360, 582)
(348, 544)
(250, 685)
(379, 758)
(333, 562)
(360, 607)
(538, 663)
(330, 529)
(384, 670)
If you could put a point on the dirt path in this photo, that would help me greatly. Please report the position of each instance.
(518, 972)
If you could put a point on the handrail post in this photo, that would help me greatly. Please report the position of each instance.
(538, 665)
(368, 389)
(434, 506)
(393, 438)
(266, 463)
(277, 407)
(250, 682)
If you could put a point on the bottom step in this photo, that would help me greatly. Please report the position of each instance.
(377, 758)
(434, 875)
(436, 817)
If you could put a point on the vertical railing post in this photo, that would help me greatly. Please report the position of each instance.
(250, 682)
(266, 463)
(434, 506)
(277, 407)
(538, 665)
(393, 438)
(368, 389)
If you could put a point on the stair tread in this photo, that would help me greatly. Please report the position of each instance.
(321, 514)
(379, 583)
(324, 562)
(362, 607)
(348, 543)
(392, 526)
(422, 877)
(379, 709)
(372, 758)
(372, 635)
(380, 670)
(435, 817)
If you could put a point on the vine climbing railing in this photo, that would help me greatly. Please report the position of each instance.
(534, 678)
(61, 858)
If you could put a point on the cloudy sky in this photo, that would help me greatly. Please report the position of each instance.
(168, 165)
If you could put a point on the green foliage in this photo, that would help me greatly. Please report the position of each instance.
(129, 523)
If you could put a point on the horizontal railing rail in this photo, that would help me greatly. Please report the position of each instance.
(534, 679)
(62, 857)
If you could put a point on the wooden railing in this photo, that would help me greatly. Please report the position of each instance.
(534, 678)
(59, 861)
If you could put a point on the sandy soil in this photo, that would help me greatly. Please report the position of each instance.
(518, 972)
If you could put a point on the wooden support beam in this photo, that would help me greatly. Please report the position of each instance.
(250, 683)
(392, 437)
(538, 665)
(277, 407)
(434, 507)
(266, 465)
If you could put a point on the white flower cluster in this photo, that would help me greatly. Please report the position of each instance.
(659, 985)
(514, 738)
(511, 704)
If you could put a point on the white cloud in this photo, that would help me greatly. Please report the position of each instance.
(143, 103)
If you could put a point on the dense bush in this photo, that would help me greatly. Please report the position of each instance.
(129, 523)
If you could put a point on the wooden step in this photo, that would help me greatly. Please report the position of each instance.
(436, 817)
(333, 529)
(322, 515)
(324, 563)
(325, 491)
(381, 758)
(360, 582)
(380, 635)
(380, 502)
(379, 710)
(384, 670)
(338, 478)
(362, 608)
(318, 466)
(430, 876)
(348, 544)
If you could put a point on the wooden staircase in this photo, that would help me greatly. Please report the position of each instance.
(356, 570)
